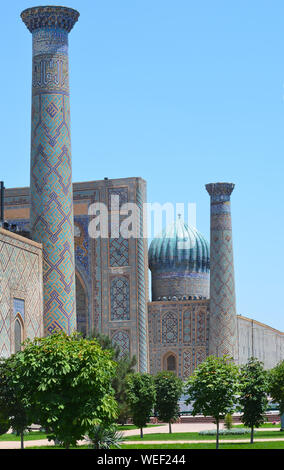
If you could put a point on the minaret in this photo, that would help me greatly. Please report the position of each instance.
(51, 215)
(223, 324)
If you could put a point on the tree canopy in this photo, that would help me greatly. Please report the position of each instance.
(212, 388)
(125, 365)
(169, 388)
(253, 390)
(276, 387)
(66, 383)
(141, 396)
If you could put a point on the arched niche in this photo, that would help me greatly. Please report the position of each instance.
(170, 362)
(81, 305)
(18, 333)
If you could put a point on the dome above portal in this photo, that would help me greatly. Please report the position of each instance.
(180, 247)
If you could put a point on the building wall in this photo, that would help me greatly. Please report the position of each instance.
(259, 340)
(21, 296)
(112, 271)
(180, 329)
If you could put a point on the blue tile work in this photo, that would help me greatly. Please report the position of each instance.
(180, 328)
(20, 289)
(121, 338)
(119, 298)
(142, 265)
(170, 328)
(179, 260)
(223, 323)
(122, 197)
(51, 213)
(82, 244)
(118, 252)
(98, 263)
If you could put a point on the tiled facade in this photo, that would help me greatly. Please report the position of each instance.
(112, 288)
(179, 330)
(21, 299)
(111, 275)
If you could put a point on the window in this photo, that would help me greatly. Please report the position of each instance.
(171, 363)
(18, 335)
(19, 316)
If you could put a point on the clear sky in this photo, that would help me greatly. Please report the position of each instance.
(181, 93)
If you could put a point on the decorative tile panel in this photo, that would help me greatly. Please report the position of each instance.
(121, 338)
(119, 298)
(118, 252)
(170, 328)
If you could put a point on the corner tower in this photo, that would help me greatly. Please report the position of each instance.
(223, 323)
(50, 171)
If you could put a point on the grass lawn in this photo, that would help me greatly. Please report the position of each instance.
(200, 446)
(195, 436)
(265, 425)
(237, 445)
(31, 436)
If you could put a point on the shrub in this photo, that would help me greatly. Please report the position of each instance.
(228, 421)
(225, 432)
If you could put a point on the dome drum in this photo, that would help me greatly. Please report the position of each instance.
(175, 284)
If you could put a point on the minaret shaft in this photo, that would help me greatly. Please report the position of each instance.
(223, 327)
(50, 172)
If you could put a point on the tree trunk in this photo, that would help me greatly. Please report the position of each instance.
(217, 434)
(251, 435)
(22, 440)
(282, 422)
(141, 433)
(170, 427)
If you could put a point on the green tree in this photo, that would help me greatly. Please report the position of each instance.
(125, 366)
(253, 393)
(212, 389)
(67, 380)
(13, 404)
(141, 397)
(276, 388)
(169, 388)
(4, 423)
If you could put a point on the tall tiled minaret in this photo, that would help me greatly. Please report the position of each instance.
(51, 178)
(223, 324)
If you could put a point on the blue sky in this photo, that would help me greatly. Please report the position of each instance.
(181, 93)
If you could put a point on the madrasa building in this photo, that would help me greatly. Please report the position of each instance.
(55, 275)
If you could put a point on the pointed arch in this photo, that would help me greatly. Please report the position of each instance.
(18, 333)
(81, 304)
(170, 362)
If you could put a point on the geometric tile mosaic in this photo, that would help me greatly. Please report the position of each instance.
(119, 297)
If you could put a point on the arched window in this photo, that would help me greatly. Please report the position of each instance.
(81, 306)
(18, 335)
(171, 363)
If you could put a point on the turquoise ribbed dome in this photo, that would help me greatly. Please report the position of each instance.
(180, 248)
